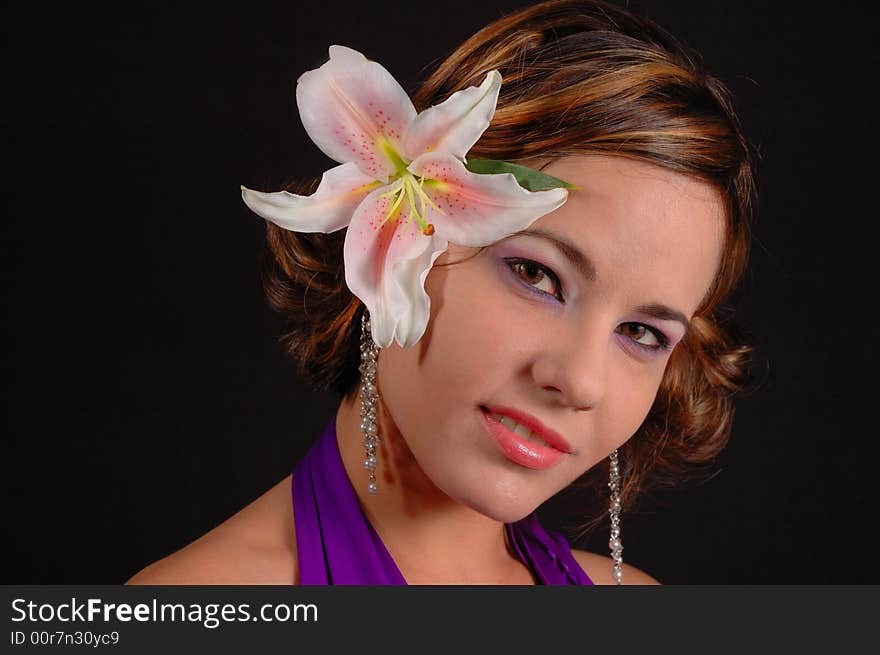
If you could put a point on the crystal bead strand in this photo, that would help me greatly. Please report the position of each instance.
(369, 398)
(615, 544)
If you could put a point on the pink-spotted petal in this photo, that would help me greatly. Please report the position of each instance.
(328, 209)
(386, 263)
(456, 124)
(477, 210)
(354, 110)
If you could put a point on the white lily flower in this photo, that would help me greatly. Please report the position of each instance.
(401, 189)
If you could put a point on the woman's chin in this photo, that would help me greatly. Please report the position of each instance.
(496, 502)
(504, 512)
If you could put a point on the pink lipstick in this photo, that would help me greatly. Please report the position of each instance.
(540, 449)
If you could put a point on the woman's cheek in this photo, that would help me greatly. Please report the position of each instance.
(627, 404)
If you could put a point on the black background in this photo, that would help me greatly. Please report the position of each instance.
(146, 397)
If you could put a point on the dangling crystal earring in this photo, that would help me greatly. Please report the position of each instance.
(615, 544)
(369, 398)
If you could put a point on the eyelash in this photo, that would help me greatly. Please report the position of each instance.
(662, 340)
(512, 263)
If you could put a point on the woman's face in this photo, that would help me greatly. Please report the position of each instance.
(565, 329)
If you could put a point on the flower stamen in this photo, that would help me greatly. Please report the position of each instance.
(411, 188)
(395, 205)
(407, 184)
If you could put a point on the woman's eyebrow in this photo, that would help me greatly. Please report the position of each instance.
(578, 259)
(665, 313)
(587, 269)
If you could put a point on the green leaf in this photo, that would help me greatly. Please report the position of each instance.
(528, 178)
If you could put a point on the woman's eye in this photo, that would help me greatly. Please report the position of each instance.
(537, 276)
(644, 336)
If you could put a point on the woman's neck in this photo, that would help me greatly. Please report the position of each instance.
(432, 537)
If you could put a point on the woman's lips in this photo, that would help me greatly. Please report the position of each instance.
(519, 449)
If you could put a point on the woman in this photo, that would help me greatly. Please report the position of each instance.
(519, 348)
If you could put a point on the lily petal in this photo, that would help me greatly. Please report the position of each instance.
(386, 263)
(355, 111)
(456, 124)
(328, 209)
(477, 210)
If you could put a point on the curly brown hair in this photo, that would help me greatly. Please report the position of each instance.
(580, 77)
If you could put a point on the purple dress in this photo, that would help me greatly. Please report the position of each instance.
(336, 544)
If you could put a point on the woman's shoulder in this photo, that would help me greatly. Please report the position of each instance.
(601, 570)
(255, 546)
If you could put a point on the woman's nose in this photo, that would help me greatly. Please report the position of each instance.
(572, 366)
